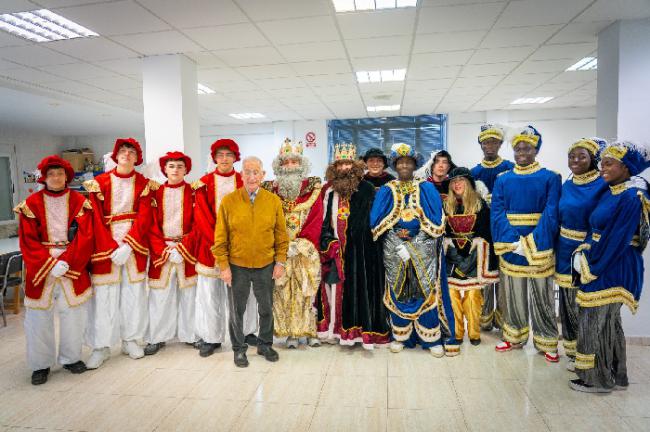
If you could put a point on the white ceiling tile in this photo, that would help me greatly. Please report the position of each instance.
(322, 67)
(425, 95)
(132, 66)
(488, 69)
(30, 75)
(196, 13)
(528, 78)
(134, 93)
(158, 43)
(433, 84)
(449, 41)
(533, 12)
(377, 24)
(92, 49)
(478, 81)
(33, 55)
(379, 63)
(10, 6)
(371, 47)
(227, 36)
(432, 60)
(282, 83)
(6, 64)
(78, 71)
(616, 10)
(231, 86)
(262, 10)
(313, 29)
(431, 71)
(218, 74)
(564, 51)
(458, 18)
(330, 80)
(205, 59)
(312, 51)
(532, 66)
(578, 77)
(519, 36)
(269, 71)
(389, 87)
(50, 4)
(579, 32)
(69, 86)
(114, 18)
(7, 39)
(382, 98)
(335, 90)
(255, 56)
(111, 83)
(500, 55)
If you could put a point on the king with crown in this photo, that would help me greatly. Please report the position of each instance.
(349, 305)
(293, 297)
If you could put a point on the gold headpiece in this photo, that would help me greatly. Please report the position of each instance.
(288, 149)
(345, 152)
(490, 131)
(588, 144)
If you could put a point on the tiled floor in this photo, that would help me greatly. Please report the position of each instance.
(329, 388)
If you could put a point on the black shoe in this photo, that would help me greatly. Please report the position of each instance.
(475, 341)
(251, 339)
(268, 352)
(152, 349)
(581, 386)
(241, 360)
(76, 368)
(40, 376)
(195, 345)
(207, 349)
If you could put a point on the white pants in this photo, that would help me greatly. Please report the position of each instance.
(171, 312)
(41, 340)
(117, 311)
(211, 315)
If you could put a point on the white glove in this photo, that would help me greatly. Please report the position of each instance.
(175, 256)
(576, 262)
(121, 254)
(519, 250)
(59, 269)
(403, 253)
(293, 250)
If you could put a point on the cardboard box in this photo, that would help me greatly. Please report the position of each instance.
(76, 159)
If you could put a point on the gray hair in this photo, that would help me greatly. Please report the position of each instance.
(253, 159)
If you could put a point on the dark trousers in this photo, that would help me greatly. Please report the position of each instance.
(262, 280)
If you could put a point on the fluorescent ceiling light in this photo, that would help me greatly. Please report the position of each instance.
(383, 108)
(202, 89)
(42, 26)
(247, 116)
(532, 100)
(364, 77)
(587, 63)
(366, 5)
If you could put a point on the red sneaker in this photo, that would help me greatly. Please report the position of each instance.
(503, 347)
(552, 357)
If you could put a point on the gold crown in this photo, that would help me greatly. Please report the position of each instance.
(491, 132)
(344, 152)
(286, 148)
(614, 151)
(588, 144)
(525, 137)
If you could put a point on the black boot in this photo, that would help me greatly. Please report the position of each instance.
(268, 352)
(241, 360)
(152, 349)
(475, 341)
(40, 376)
(207, 349)
(76, 368)
(251, 339)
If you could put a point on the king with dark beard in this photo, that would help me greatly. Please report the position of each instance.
(349, 306)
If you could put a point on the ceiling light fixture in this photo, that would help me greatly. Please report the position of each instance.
(532, 100)
(203, 89)
(369, 5)
(587, 63)
(42, 26)
(247, 116)
(364, 77)
(379, 108)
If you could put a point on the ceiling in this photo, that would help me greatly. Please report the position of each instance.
(295, 59)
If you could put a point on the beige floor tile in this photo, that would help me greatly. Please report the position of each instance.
(130, 413)
(480, 362)
(410, 393)
(425, 420)
(346, 419)
(275, 417)
(354, 391)
(290, 389)
(492, 395)
(577, 423)
(111, 378)
(179, 356)
(225, 385)
(417, 362)
(637, 424)
(305, 360)
(198, 415)
(487, 421)
(351, 361)
(633, 402)
(167, 383)
(18, 404)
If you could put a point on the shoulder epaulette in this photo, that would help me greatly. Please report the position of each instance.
(198, 184)
(24, 209)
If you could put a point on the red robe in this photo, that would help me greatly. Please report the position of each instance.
(44, 221)
(210, 190)
(122, 214)
(173, 215)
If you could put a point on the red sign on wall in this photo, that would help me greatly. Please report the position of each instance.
(310, 139)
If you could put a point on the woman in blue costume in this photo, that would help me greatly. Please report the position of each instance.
(407, 217)
(580, 194)
(610, 269)
(524, 221)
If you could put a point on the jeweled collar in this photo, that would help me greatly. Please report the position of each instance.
(528, 169)
(619, 188)
(588, 177)
(492, 164)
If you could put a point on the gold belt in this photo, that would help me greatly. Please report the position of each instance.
(573, 234)
(523, 219)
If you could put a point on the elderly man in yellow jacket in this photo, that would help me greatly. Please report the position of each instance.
(250, 246)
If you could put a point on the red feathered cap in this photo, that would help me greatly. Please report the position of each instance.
(176, 155)
(55, 161)
(130, 141)
(227, 143)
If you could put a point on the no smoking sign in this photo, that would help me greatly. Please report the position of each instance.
(310, 138)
